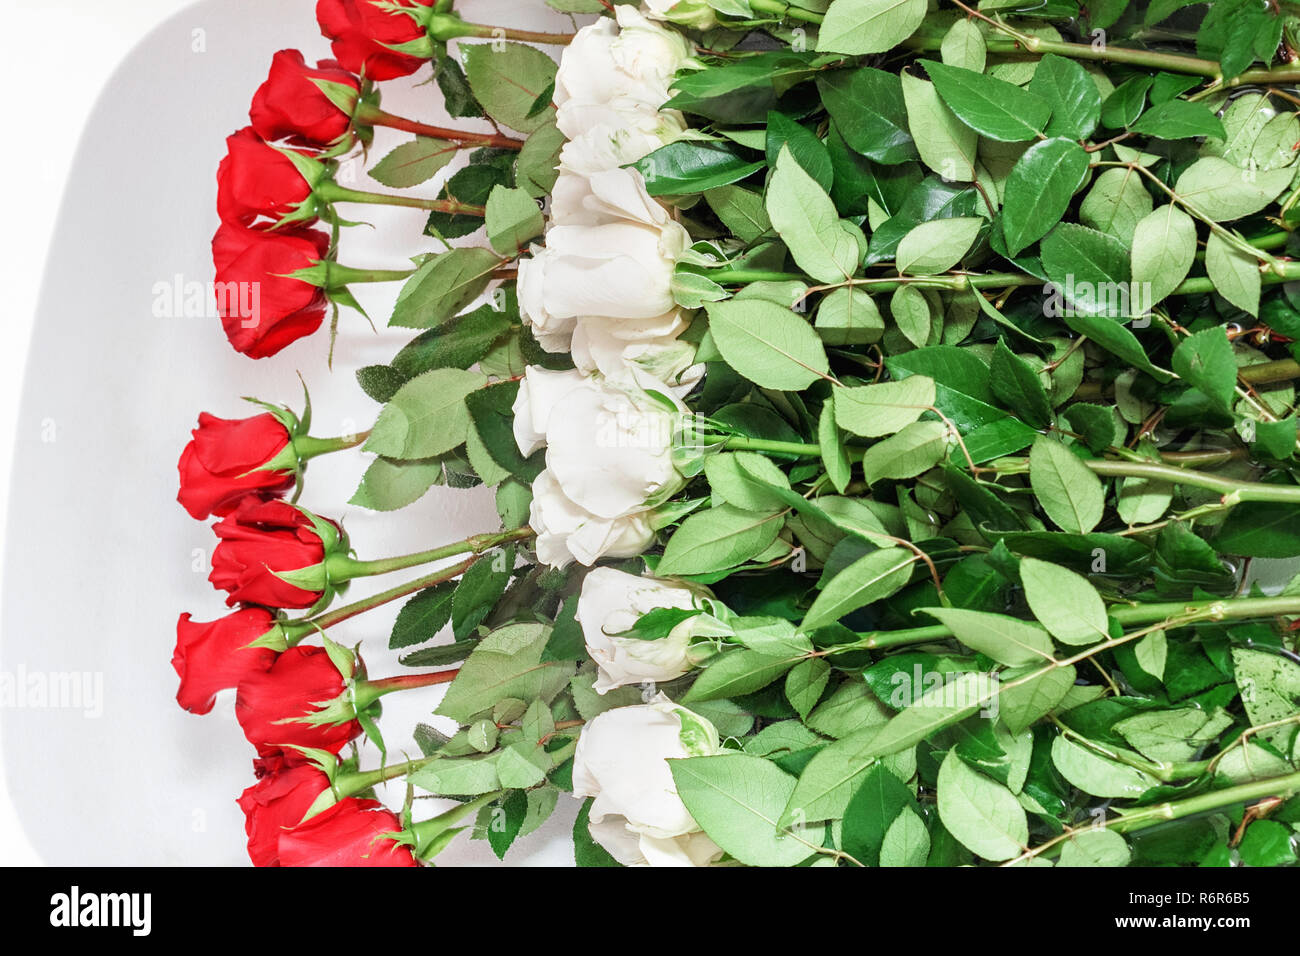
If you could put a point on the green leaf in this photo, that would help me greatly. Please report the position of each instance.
(427, 417)
(994, 108)
(1116, 338)
(868, 26)
(1095, 847)
(805, 147)
(935, 247)
(1235, 275)
(1164, 248)
(1204, 361)
(507, 821)
(826, 247)
(915, 449)
(1090, 269)
(1018, 386)
(479, 591)
(389, 485)
(513, 217)
(737, 800)
(423, 616)
(939, 707)
(1179, 119)
(1067, 490)
(805, 683)
(1095, 423)
(693, 166)
(508, 78)
(459, 776)
(1098, 775)
(413, 163)
(506, 664)
(911, 312)
(1268, 843)
(718, 538)
(982, 815)
(741, 210)
(963, 45)
(1261, 529)
(536, 169)
(869, 111)
(730, 479)
(768, 344)
(875, 806)
(442, 286)
(1064, 603)
(1005, 639)
(1221, 191)
(1270, 691)
(1039, 189)
(834, 774)
(1117, 202)
(1022, 705)
(946, 144)
(873, 411)
(1072, 95)
(906, 842)
(873, 577)
(835, 458)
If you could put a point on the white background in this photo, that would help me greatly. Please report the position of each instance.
(58, 55)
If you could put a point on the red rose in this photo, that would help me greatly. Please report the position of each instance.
(296, 685)
(226, 459)
(277, 802)
(262, 310)
(350, 833)
(257, 182)
(258, 539)
(290, 106)
(215, 656)
(361, 33)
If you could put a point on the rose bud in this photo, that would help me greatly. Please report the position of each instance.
(278, 802)
(268, 549)
(258, 184)
(350, 833)
(289, 706)
(229, 459)
(263, 309)
(290, 105)
(362, 32)
(216, 656)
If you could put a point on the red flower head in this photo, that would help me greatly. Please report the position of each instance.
(256, 183)
(261, 309)
(226, 460)
(215, 656)
(350, 833)
(289, 105)
(276, 803)
(262, 538)
(362, 32)
(297, 685)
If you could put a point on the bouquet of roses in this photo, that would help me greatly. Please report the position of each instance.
(885, 404)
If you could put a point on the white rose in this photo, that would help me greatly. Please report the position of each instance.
(622, 270)
(610, 604)
(648, 51)
(614, 349)
(578, 118)
(622, 761)
(567, 532)
(610, 447)
(591, 199)
(540, 390)
(693, 14)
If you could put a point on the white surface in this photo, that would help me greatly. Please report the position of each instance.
(100, 559)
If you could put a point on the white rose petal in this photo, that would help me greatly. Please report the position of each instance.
(567, 532)
(540, 390)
